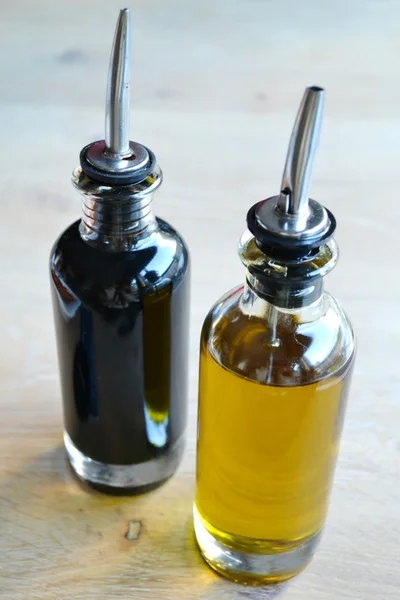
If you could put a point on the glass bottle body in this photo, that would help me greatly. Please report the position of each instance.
(272, 396)
(121, 320)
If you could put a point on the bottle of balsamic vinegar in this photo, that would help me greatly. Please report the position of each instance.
(120, 290)
(275, 368)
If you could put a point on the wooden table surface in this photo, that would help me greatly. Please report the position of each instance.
(215, 88)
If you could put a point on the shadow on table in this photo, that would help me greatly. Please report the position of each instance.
(57, 535)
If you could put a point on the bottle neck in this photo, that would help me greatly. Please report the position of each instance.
(116, 218)
(115, 225)
(285, 293)
(286, 283)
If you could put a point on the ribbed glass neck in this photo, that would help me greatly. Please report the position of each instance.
(116, 218)
(116, 225)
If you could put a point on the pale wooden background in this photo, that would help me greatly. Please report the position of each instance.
(216, 85)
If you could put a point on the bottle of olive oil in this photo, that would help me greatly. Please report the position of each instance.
(275, 368)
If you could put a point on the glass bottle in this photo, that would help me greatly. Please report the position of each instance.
(120, 290)
(275, 367)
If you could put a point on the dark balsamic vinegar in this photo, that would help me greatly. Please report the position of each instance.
(122, 330)
(120, 287)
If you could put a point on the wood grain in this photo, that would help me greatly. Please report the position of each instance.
(215, 88)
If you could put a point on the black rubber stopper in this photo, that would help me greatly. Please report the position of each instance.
(278, 246)
(113, 179)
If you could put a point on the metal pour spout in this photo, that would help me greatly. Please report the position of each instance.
(293, 199)
(118, 90)
(291, 222)
(116, 160)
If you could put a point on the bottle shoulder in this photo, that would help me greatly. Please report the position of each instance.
(160, 260)
(274, 346)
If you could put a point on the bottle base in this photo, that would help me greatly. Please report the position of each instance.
(252, 568)
(124, 479)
